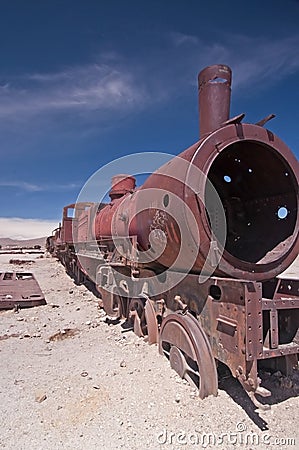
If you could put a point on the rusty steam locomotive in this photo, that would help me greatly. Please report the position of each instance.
(191, 258)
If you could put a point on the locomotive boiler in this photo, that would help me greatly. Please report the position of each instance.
(191, 258)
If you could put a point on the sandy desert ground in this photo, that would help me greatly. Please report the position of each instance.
(98, 387)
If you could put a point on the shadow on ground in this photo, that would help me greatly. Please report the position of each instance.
(281, 388)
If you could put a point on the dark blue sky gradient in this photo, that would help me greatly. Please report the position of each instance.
(83, 83)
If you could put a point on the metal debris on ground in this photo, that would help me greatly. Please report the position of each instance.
(19, 290)
(63, 334)
(18, 262)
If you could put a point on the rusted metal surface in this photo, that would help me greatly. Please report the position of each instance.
(221, 307)
(281, 320)
(186, 345)
(287, 288)
(137, 314)
(121, 185)
(152, 311)
(210, 230)
(254, 321)
(243, 328)
(19, 290)
(111, 303)
(171, 207)
(67, 232)
(214, 85)
(252, 198)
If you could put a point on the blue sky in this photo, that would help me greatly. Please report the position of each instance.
(85, 82)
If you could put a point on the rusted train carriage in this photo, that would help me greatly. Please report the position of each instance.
(192, 257)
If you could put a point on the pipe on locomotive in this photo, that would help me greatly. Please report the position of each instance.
(255, 176)
(214, 91)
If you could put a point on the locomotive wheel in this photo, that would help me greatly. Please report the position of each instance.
(185, 344)
(78, 275)
(137, 315)
(112, 304)
(142, 311)
(151, 321)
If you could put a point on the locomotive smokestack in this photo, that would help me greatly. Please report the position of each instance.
(121, 185)
(214, 88)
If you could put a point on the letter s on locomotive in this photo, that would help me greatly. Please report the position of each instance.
(191, 258)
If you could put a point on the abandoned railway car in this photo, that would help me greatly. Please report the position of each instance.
(192, 258)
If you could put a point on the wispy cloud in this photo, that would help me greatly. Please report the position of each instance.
(18, 228)
(252, 58)
(4, 87)
(89, 88)
(264, 59)
(119, 85)
(30, 187)
(20, 185)
(181, 39)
